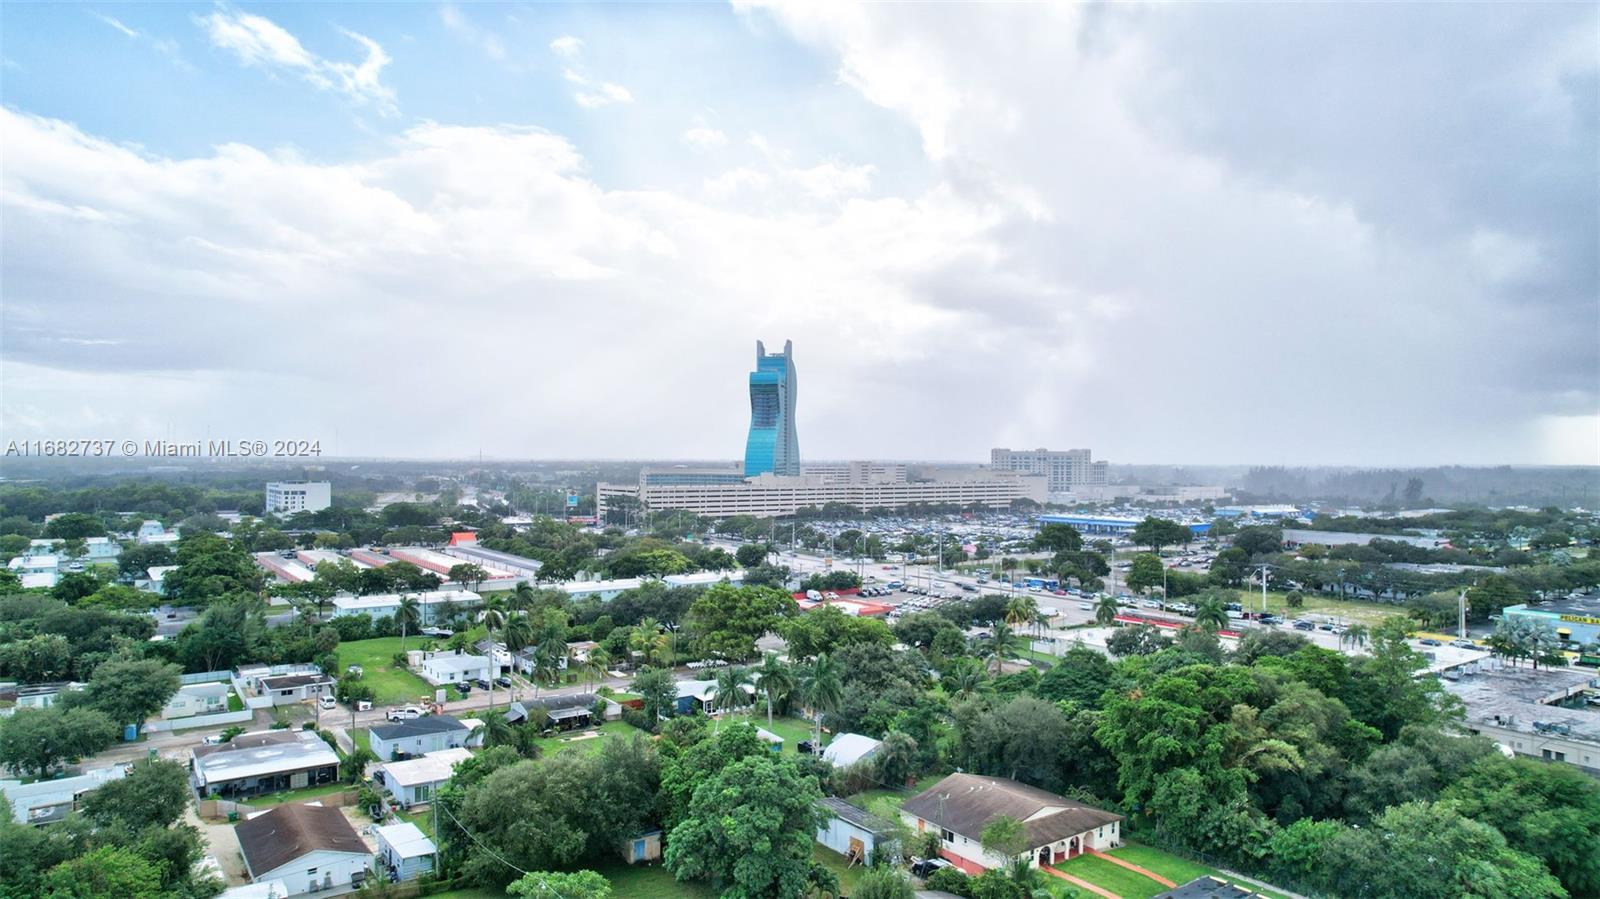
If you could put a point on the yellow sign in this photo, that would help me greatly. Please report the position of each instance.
(1580, 619)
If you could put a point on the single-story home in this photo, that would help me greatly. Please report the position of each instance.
(286, 684)
(266, 889)
(441, 669)
(642, 847)
(959, 807)
(701, 695)
(311, 848)
(419, 736)
(851, 832)
(48, 801)
(253, 764)
(850, 749)
(197, 699)
(404, 850)
(418, 779)
(37, 696)
(1209, 887)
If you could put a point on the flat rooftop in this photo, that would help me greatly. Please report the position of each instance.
(1521, 696)
(1586, 606)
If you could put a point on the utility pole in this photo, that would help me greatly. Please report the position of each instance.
(1264, 568)
(1461, 614)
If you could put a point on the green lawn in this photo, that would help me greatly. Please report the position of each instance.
(1175, 868)
(1348, 610)
(611, 730)
(361, 737)
(390, 684)
(235, 704)
(792, 730)
(298, 795)
(423, 819)
(471, 893)
(847, 873)
(650, 882)
(1117, 879)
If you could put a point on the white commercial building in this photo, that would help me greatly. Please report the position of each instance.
(1065, 469)
(769, 495)
(429, 602)
(289, 497)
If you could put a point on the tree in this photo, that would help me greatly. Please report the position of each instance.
(1079, 677)
(1259, 541)
(209, 567)
(37, 659)
(1295, 599)
(1158, 532)
(775, 679)
(883, 883)
(1354, 637)
(1006, 837)
(131, 690)
(1106, 611)
(750, 555)
(749, 829)
(1058, 538)
(1551, 811)
(1211, 616)
(729, 685)
(821, 688)
(658, 691)
(728, 620)
(35, 741)
(896, 758)
(153, 794)
(1145, 573)
(408, 614)
(107, 871)
(553, 885)
(74, 526)
(469, 573)
(1002, 644)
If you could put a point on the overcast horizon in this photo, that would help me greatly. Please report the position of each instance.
(1303, 235)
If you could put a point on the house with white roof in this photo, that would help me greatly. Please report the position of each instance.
(49, 801)
(266, 762)
(404, 850)
(418, 779)
(444, 669)
(850, 749)
(197, 699)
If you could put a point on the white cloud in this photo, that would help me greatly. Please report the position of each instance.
(567, 46)
(117, 24)
(704, 137)
(596, 94)
(258, 41)
(487, 41)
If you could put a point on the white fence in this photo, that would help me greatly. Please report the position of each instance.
(193, 721)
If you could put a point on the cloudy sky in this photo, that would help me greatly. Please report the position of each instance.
(1274, 233)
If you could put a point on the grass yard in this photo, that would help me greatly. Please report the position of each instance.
(885, 803)
(361, 737)
(390, 685)
(1350, 611)
(1117, 879)
(792, 730)
(283, 796)
(611, 730)
(423, 819)
(849, 875)
(235, 704)
(471, 893)
(650, 882)
(1175, 868)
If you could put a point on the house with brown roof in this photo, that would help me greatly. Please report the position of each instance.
(310, 848)
(959, 807)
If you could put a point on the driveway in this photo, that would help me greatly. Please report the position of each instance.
(221, 844)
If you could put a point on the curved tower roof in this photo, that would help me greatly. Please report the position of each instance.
(773, 446)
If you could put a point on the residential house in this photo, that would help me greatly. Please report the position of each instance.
(287, 684)
(959, 807)
(701, 695)
(418, 779)
(442, 669)
(37, 696)
(1209, 887)
(311, 848)
(852, 832)
(266, 762)
(846, 750)
(404, 851)
(49, 801)
(197, 699)
(419, 736)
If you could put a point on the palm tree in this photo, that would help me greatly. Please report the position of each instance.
(522, 596)
(1105, 611)
(1002, 645)
(729, 689)
(1211, 616)
(1020, 609)
(408, 615)
(822, 687)
(648, 639)
(596, 663)
(1355, 636)
(494, 616)
(962, 678)
(775, 679)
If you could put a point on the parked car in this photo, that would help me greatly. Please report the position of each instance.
(925, 867)
(483, 683)
(1429, 641)
(1303, 625)
(463, 688)
(1463, 644)
(503, 681)
(354, 669)
(326, 702)
(404, 713)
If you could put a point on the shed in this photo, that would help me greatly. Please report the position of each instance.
(850, 749)
(642, 847)
(852, 832)
(405, 850)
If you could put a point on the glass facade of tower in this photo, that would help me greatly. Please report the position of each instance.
(773, 446)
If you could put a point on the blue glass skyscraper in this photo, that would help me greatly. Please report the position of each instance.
(773, 447)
